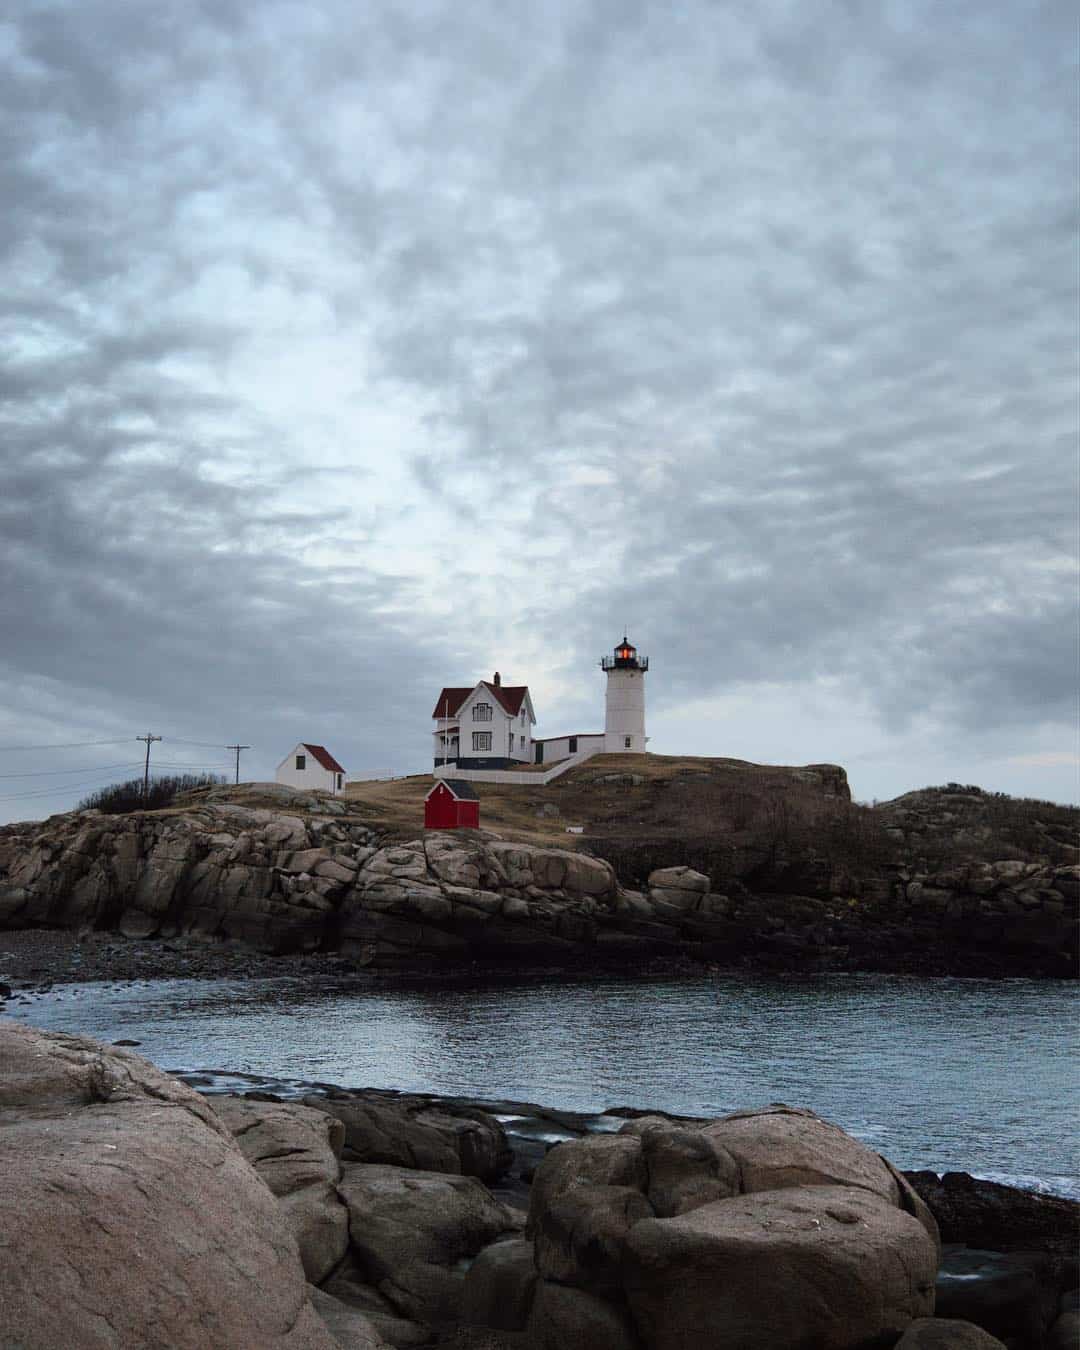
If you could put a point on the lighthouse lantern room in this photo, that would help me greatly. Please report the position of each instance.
(624, 704)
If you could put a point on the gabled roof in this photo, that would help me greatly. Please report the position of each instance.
(463, 791)
(325, 758)
(508, 697)
(450, 700)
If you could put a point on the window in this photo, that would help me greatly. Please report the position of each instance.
(481, 712)
(481, 740)
(572, 745)
(301, 762)
(523, 742)
(339, 780)
(626, 742)
(523, 717)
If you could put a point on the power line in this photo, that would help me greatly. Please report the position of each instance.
(170, 764)
(35, 793)
(64, 745)
(87, 768)
(204, 745)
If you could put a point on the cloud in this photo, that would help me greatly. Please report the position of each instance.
(351, 352)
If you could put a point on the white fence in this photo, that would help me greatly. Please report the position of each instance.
(519, 777)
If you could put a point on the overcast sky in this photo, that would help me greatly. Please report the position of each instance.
(350, 350)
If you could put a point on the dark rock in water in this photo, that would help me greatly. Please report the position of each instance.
(1005, 1293)
(993, 1217)
(126, 1042)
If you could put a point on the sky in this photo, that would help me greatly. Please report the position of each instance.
(347, 351)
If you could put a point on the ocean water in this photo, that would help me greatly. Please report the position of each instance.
(947, 1074)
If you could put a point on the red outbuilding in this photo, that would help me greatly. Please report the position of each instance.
(451, 805)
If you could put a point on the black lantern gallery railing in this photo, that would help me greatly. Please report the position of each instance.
(631, 662)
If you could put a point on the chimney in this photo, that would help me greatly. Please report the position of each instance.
(497, 680)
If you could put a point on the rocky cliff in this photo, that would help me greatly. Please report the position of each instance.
(307, 876)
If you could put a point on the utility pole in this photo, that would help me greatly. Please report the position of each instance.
(238, 748)
(146, 772)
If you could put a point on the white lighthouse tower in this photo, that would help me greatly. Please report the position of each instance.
(624, 705)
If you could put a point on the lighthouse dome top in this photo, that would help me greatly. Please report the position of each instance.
(625, 658)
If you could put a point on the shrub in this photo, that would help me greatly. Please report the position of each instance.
(121, 798)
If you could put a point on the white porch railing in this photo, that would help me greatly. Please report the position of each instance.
(518, 777)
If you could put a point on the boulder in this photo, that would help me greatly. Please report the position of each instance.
(571, 1319)
(349, 1286)
(782, 1146)
(415, 1232)
(580, 1233)
(835, 1267)
(409, 1132)
(499, 1286)
(138, 1221)
(686, 1168)
(295, 1150)
(1065, 1332)
(681, 887)
(598, 1160)
(679, 879)
(349, 1327)
(946, 1333)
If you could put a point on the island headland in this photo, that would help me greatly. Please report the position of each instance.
(670, 861)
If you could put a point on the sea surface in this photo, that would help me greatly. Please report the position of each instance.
(947, 1074)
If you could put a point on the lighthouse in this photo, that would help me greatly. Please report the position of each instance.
(624, 704)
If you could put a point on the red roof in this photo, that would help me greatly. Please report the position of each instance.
(509, 695)
(509, 698)
(450, 700)
(325, 758)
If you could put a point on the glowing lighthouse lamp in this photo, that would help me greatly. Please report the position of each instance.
(624, 704)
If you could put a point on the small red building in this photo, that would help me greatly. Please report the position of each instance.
(451, 805)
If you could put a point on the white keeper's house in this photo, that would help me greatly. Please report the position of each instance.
(489, 726)
(311, 766)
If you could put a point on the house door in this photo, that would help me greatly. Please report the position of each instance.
(539, 752)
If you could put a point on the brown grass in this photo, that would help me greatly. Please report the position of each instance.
(676, 796)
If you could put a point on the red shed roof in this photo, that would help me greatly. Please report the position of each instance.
(509, 697)
(462, 791)
(325, 758)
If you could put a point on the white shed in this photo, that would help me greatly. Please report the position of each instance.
(311, 766)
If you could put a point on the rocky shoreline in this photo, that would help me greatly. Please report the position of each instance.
(315, 1216)
(295, 882)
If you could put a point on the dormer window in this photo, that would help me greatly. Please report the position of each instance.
(481, 712)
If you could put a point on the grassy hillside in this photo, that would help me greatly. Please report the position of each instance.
(774, 827)
(622, 796)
